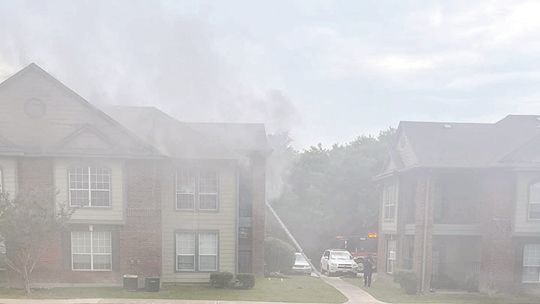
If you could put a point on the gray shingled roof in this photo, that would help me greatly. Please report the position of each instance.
(179, 139)
(448, 144)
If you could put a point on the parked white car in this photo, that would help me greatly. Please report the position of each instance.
(338, 261)
(301, 265)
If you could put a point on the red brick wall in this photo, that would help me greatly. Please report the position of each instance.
(140, 238)
(137, 243)
(497, 271)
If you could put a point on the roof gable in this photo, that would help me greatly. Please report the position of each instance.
(39, 114)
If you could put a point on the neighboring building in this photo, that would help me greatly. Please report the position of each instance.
(156, 198)
(460, 205)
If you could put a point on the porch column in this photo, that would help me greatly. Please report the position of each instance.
(423, 201)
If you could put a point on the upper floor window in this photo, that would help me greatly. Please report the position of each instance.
(389, 201)
(531, 263)
(197, 189)
(534, 202)
(90, 187)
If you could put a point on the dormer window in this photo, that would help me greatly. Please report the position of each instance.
(90, 187)
(533, 209)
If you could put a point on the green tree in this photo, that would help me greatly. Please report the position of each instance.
(330, 191)
(27, 223)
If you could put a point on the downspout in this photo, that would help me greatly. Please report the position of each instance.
(424, 243)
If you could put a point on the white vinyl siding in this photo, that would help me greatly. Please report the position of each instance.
(91, 250)
(197, 189)
(531, 263)
(90, 187)
(197, 251)
(533, 210)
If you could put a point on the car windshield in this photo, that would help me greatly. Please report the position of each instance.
(341, 255)
(300, 258)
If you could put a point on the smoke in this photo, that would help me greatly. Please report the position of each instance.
(165, 54)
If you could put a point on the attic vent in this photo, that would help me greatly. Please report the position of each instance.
(447, 126)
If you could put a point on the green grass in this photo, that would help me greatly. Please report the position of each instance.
(293, 289)
(386, 290)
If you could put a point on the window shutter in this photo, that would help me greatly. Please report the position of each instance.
(66, 249)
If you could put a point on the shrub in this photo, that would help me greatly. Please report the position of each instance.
(407, 280)
(245, 280)
(220, 279)
(278, 255)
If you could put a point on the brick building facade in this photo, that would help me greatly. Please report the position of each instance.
(459, 208)
(157, 197)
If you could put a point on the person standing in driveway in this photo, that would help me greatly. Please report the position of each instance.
(368, 271)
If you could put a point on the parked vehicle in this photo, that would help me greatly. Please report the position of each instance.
(301, 265)
(338, 262)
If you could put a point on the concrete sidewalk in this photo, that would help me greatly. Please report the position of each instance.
(355, 294)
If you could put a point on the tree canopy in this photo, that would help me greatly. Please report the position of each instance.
(330, 191)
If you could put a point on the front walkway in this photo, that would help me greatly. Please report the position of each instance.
(355, 294)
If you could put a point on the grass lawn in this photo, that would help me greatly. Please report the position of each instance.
(387, 291)
(294, 289)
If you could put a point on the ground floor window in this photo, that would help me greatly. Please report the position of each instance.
(197, 251)
(531, 263)
(391, 255)
(91, 250)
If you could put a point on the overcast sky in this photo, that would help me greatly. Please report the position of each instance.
(328, 71)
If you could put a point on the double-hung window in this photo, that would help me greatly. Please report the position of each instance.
(533, 209)
(197, 251)
(185, 251)
(186, 186)
(197, 189)
(531, 263)
(389, 201)
(90, 187)
(91, 250)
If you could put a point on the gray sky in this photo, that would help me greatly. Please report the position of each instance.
(327, 71)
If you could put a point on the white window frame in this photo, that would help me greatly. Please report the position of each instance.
(90, 189)
(92, 253)
(197, 189)
(537, 265)
(390, 201)
(530, 203)
(179, 191)
(391, 255)
(216, 193)
(216, 255)
(196, 255)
